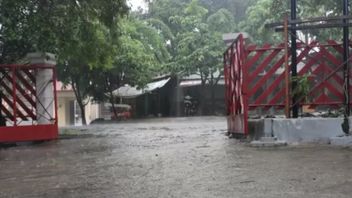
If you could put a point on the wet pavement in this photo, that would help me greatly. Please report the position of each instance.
(184, 157)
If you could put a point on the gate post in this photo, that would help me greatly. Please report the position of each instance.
(44, 84)
(295, 107)
(346, 69)
(287, 72)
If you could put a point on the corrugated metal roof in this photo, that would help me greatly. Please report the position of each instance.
(132, 92)
(191, 83)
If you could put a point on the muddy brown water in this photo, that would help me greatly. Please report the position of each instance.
(184, 157)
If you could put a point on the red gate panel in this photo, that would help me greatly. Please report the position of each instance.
(20, 102)
(255, 78)
(235, 89)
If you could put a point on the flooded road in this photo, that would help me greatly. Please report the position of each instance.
(184, 157)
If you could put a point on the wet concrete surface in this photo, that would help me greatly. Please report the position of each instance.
(184, 157)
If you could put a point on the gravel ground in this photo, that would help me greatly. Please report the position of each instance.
(183, 157)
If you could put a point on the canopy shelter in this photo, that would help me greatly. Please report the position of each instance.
(128, 91)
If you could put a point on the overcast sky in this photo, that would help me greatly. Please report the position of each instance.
(136, 3)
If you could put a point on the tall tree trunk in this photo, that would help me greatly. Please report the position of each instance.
(203, 99)
(112, 102)
(212, 95)
(212, 84)
(80, 101)
(111, 97)
(83, 112)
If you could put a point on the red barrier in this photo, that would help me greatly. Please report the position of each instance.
(21, 100)
(255, 78)
(236, 99)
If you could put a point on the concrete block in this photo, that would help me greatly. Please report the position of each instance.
(259, 128)
(345, 141)
(268, 127)
(268, 143)
(41, 58)
(268, 139)
(256, 128)
(307, 129)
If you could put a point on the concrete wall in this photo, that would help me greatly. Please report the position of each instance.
(260, 128)
(307, 129)
(92, 112)
(63, 99)
(297, 130)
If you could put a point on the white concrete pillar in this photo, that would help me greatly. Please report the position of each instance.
(45, 103)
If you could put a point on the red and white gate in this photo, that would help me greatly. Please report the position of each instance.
(255, 78)
(29, 104)
(236, 97)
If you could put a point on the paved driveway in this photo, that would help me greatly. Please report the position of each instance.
(184, 157)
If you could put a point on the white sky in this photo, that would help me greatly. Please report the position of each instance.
(136, 3)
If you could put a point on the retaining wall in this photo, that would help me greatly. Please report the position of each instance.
(297, 130)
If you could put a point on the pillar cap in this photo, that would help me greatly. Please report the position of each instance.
(41, 58)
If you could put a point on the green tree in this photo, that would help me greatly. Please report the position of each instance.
(81, 33)
(140, 55)
(200, 45)
(80, 59)
(267, 11)
(257, 16)
(237, 8)
(91, 47)
(196, 42)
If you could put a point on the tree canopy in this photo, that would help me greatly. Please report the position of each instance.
(177, 37)
(266, 11)
(82, 33)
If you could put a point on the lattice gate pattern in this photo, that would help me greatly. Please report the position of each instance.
(259, 77)
(18, 95)
(28, 102)
(234, 80)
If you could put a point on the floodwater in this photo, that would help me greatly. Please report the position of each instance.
(184, 157)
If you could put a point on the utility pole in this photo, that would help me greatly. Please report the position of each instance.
(346, 69)
(295, 103)
(287, 70)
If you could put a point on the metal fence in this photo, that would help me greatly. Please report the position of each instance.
(258, 79)
(28, 103)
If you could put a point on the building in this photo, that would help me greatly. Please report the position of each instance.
(168, 96)
(154, 100)
(69, 114)
(206, 98)
(165, 96)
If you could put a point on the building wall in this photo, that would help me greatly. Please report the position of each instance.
(92, 112)
(64, 98)
(68, 110)
(199, 95)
